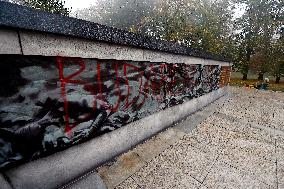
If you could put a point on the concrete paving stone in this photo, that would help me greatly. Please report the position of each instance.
(251, 140)
(279, 127)
(280, 153)
(191, 139)
(278, 121)
(195, 119)
(252, 109)
(262, 169)
(150, 148)
(279, 140)
(232, 122)
(248, 132)
(279, 96)
(210, 109)
(252, 130)
(280, 167)
(210, 135)
(128, 184)
(161, 173)
(157, 144)
(244, 128)
(116, 172)
(225, 176)
(190, 123)
(171, 135)
(191, 161)
(240, 149)
(280, 174)
(250, 146)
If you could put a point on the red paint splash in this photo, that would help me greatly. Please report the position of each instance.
(68, 79)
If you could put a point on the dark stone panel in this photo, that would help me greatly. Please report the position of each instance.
(48, 104)
(24, 18)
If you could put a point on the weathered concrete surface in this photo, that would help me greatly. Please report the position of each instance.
(9, 42)
(34, 43)
(113, 173)
(3, 183)
(221, 150)
(52, 45)
(123, 167)
(74, 162)
(157, 145)
(91, 180)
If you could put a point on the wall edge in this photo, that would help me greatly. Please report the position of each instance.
(67, 165)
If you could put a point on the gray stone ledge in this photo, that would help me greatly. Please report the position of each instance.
(9, 42)
(51, 45)
(26, 18)
(63, 167)
(89, 181)
(3, 183)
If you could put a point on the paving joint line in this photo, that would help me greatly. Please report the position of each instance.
(252, 124)
(168, 146)
(130, 176)
(231, 118)
(196, 179)
(210, 169)
(146, 163)
(134, 181)
(79, 179)
(277, 180)
(251, 175)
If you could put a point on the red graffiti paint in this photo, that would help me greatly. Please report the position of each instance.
(112, 78)
(99, 78)
(68, 79)
(63, 94)
(158, 79)
(125, 70)
(115, 108)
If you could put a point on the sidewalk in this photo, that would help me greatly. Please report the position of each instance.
(236, 142)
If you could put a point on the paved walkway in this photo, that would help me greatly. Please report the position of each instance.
(237, 142)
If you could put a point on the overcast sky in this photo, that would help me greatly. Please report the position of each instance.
(79, 4)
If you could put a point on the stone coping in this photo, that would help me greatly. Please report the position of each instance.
(21, 18)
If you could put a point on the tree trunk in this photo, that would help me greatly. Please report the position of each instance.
(277, 81)
(260, 76)
(245, 76)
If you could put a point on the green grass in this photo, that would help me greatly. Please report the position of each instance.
(252, 76)
(236, 80)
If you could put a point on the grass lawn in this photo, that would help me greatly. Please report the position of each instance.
(236, 80)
